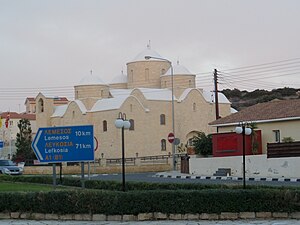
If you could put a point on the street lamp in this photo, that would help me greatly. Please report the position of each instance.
(173, 111)
(123, 124)
(242, 129)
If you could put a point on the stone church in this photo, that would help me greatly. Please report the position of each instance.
(145, 96)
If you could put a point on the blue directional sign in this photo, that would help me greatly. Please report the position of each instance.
(1, 144)
(64, 144)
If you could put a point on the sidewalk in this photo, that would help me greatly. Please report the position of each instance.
(178, 175)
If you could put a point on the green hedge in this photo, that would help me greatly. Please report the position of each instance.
(179, 201)
(117, 185)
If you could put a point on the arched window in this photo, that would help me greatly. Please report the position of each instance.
(131, 124)
(102, 93)
(131, 107)
(190, 142)
(163, 71)
(194, 107)
(73, 114)
(162, 119)
(41, 105)
(163, 144)
(104, 125)
(190, 83)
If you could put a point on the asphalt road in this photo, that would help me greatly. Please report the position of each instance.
(150, 177)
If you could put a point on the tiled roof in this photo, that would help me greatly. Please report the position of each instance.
(274, 110)
(56, 99)
(30, 99)
(15, 115)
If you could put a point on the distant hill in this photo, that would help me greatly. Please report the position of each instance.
(242, 99)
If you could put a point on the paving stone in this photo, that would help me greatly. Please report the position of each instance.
(295, 215)
(145, 216)
(247, 215)
(4, 215)
(49, 216)
(280, 215)
(263, 215)
(229, 216)
(175, 216)
(83, 217)
(66, 217)
(129, 218)
(99, 217)
(209, 216)
(193, 216)
(38, 216)
(114, 218)
(160, 216)
(25, 216)
(15, 215)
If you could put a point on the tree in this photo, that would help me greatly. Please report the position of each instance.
(23, 142)
(203, 144)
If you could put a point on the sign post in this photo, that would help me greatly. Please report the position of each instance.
(64, 144)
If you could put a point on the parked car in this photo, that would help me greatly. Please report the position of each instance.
(9, 167)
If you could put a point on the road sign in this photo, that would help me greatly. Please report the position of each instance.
(64, 144)
(171, 137)
(176, 141)
(1, 144)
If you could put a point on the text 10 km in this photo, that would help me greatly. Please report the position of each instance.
(82, 133)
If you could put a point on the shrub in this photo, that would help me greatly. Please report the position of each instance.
(165, 201)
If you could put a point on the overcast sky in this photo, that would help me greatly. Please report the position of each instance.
(50, 45)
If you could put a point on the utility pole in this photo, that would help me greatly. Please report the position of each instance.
(216, 94)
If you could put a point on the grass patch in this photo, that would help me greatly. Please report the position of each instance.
(8, 187)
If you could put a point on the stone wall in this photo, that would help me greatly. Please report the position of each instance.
(152, 216)
(47, 170)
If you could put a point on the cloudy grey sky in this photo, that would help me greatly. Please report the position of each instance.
(49, 45)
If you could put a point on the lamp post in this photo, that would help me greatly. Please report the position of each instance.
(173, 111)
(122, 124)
(244, 130)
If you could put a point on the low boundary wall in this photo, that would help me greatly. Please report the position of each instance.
(256, 166)
(76, 169)
(152, 216)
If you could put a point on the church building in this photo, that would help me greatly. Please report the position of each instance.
(145, 96)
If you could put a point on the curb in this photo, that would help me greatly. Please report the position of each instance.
(227, 178)
(152, 216)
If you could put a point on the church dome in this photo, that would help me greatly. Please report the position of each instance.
(178, 70)
(119, 79)
(91, 79)
(147, 52)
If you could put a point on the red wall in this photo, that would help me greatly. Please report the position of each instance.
(231, 144)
